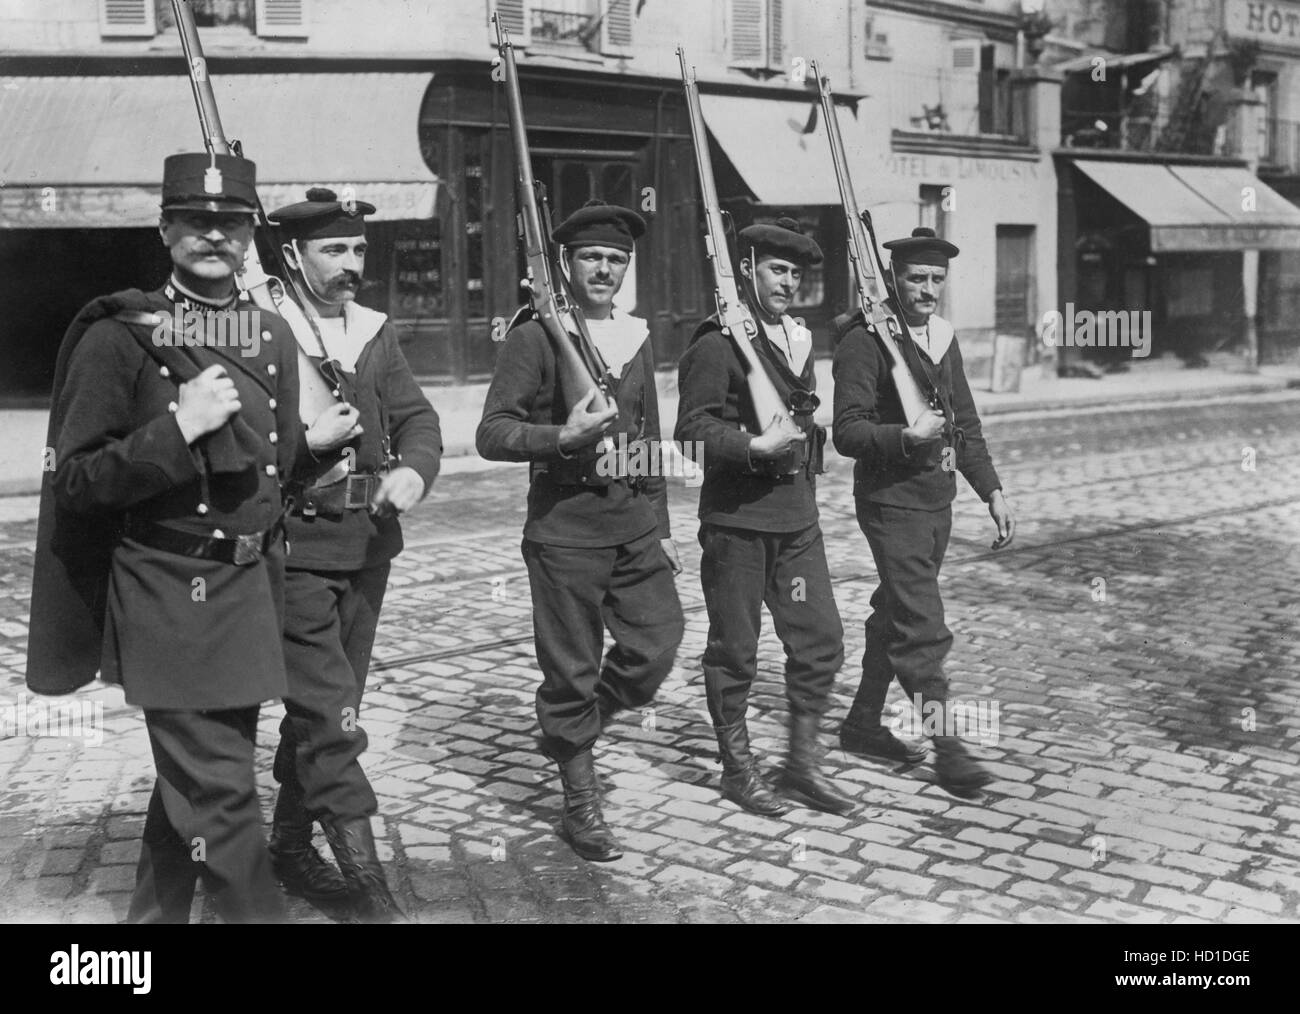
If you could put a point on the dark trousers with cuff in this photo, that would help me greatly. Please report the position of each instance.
(577, 593)
(742, 570)
(204, 821)
(906, 633)
(330, 619)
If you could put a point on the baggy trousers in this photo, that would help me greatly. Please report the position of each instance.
(906, 634)
(204, 820)
(740, 571)
(330, 620)
(577, 593)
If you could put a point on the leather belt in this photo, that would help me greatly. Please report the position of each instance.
(241, 550)
(353, 492)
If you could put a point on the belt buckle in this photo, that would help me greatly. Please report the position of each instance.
(350, 500)
(248, 549)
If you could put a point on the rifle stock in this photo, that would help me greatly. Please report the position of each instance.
(579, 363)
(736, 320)
(868, 270)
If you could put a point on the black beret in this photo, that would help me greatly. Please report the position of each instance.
(197, 181)
(322, 216)
(923, 247)
(781, 239)
(599, 224)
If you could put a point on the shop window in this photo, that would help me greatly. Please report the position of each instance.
(417, 279)
(475, 261)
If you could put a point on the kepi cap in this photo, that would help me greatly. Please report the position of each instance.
(198, 181)
(599, 224)
(322, 216)
(781, 239)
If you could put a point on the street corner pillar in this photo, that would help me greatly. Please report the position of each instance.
(1037, 106)
(1246, 122)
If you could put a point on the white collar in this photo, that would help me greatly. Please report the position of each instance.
(933, 337)
(360, 324)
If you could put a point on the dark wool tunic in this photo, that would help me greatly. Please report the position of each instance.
(522, 417)
(177, 632)
(715, 408)
(869, 426)
(383, 391)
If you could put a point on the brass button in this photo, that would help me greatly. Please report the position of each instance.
(270, 470)
(271, 369)
(202, 508)
(217, 533)
(266, 336)
(164, 372)
(274, 438)
(271, 404)
(172, 406)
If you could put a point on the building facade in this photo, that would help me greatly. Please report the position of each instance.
(942, 123)
(1177, 170)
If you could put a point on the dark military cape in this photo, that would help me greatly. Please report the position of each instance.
(74, 551)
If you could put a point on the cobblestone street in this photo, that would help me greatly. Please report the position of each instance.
(1136, 650)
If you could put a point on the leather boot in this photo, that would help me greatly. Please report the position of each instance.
(862, 734)
(958, 772)
(802, 778)
(297, 865)
(353, 844)
(583, 825)
(741, 781)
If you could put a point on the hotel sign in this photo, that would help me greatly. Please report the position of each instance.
(1275, 25)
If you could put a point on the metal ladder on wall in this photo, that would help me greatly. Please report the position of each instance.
(1189, 107)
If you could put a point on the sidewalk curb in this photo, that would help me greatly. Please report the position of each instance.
(1227, 391)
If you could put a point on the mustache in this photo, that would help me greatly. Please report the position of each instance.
(346, 278)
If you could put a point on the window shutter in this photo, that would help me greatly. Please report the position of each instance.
(514, 17)
(127, 18)
(616, 28)
(282, 18)
(776, 34)
(747, 36)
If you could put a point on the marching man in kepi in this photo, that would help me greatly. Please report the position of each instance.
(160, 546)
(762, 542)
(596, 544)
(376, 447)
(904, 485)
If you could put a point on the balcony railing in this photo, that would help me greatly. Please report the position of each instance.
(956, 102)
(569, 27)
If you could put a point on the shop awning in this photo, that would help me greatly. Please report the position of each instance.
(87, 152)
(781, 165)
(1200, 208)
(1114, 61)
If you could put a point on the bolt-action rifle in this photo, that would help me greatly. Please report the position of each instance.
(733, 314)
(578, 361)
(868, 270)
(253, 278)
